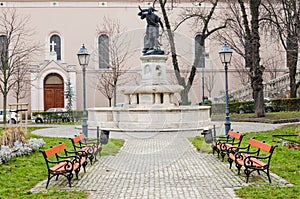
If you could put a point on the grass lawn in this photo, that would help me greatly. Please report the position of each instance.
(270, 116)
(22, 173)
(285, 162)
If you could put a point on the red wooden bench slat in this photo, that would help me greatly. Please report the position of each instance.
(260, 145)
(78, 138)
(54, 150)
(234, 134)
(59, 168)
(256, 163)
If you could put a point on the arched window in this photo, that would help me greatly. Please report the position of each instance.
(3, 50)
(103, 46)
(55, 42)
(199, 52)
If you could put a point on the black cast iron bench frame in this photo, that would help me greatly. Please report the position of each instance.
(63, 164)
(222, 144)
(252, 160)
(90, 149)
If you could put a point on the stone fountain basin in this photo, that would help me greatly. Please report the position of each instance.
(145, 119)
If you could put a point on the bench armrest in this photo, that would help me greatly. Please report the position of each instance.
(258, 157)
(234, 149)
(222, 139)
(90, 143)
(66, 156)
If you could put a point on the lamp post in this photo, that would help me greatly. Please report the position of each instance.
(203, 84)
(225, 54)
(83, 58)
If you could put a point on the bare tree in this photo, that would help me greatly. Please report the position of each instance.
(105, 84)
(202, 18)
(252, 53)
(284, 16)
(22, 82)
(16, 48)
(210, 80)
(118, 53)
(244, 24)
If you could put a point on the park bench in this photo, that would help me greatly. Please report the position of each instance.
(252, 160)
(222, 144)
(60, 162)
(90, 149)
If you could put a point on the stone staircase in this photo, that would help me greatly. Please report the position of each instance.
(275, 88)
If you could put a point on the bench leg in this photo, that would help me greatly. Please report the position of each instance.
(215, 149)
(247, 172)
(76, 172)
(91, 157)
(98, 152)
(223, 155)
(69, 177)
(230, 162)
(95, 156)
(48, 181)
(239, 168)
(268, 174)
(84, 165)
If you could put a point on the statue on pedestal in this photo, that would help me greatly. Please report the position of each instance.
(151, 44)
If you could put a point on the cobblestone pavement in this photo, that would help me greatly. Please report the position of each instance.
(154, 165)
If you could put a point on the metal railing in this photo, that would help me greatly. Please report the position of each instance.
(275, 88)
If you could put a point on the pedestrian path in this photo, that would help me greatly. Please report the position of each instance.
(152, 165)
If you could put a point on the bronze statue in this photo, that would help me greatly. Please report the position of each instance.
(151, 44)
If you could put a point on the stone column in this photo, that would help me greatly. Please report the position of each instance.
(166, 98)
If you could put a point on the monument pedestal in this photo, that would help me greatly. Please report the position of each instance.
(154, 89)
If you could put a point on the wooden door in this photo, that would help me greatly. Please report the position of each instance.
(53, 92)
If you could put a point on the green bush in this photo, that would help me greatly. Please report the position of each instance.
(286, 104)
(283, 104)
(49, 117)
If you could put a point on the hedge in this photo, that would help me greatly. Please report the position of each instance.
(283, 104)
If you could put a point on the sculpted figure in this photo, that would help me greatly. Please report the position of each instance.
(151, 44)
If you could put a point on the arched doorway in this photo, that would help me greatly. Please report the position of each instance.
(53, 91)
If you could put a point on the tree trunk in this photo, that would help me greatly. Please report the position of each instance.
(180, 79)
(4, 108)
(109, 102)
(256, 69)
(115, 95)
(292, 59)
(184, 97)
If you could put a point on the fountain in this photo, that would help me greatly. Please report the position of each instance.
(150, 106)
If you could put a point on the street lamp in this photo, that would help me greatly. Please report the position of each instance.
(225, 54)
(83, 58)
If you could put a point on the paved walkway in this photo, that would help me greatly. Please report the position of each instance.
(155, 165)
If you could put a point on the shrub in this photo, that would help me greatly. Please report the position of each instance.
(5, 154)
(20, 149)
(35, 144)
(11, 135)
